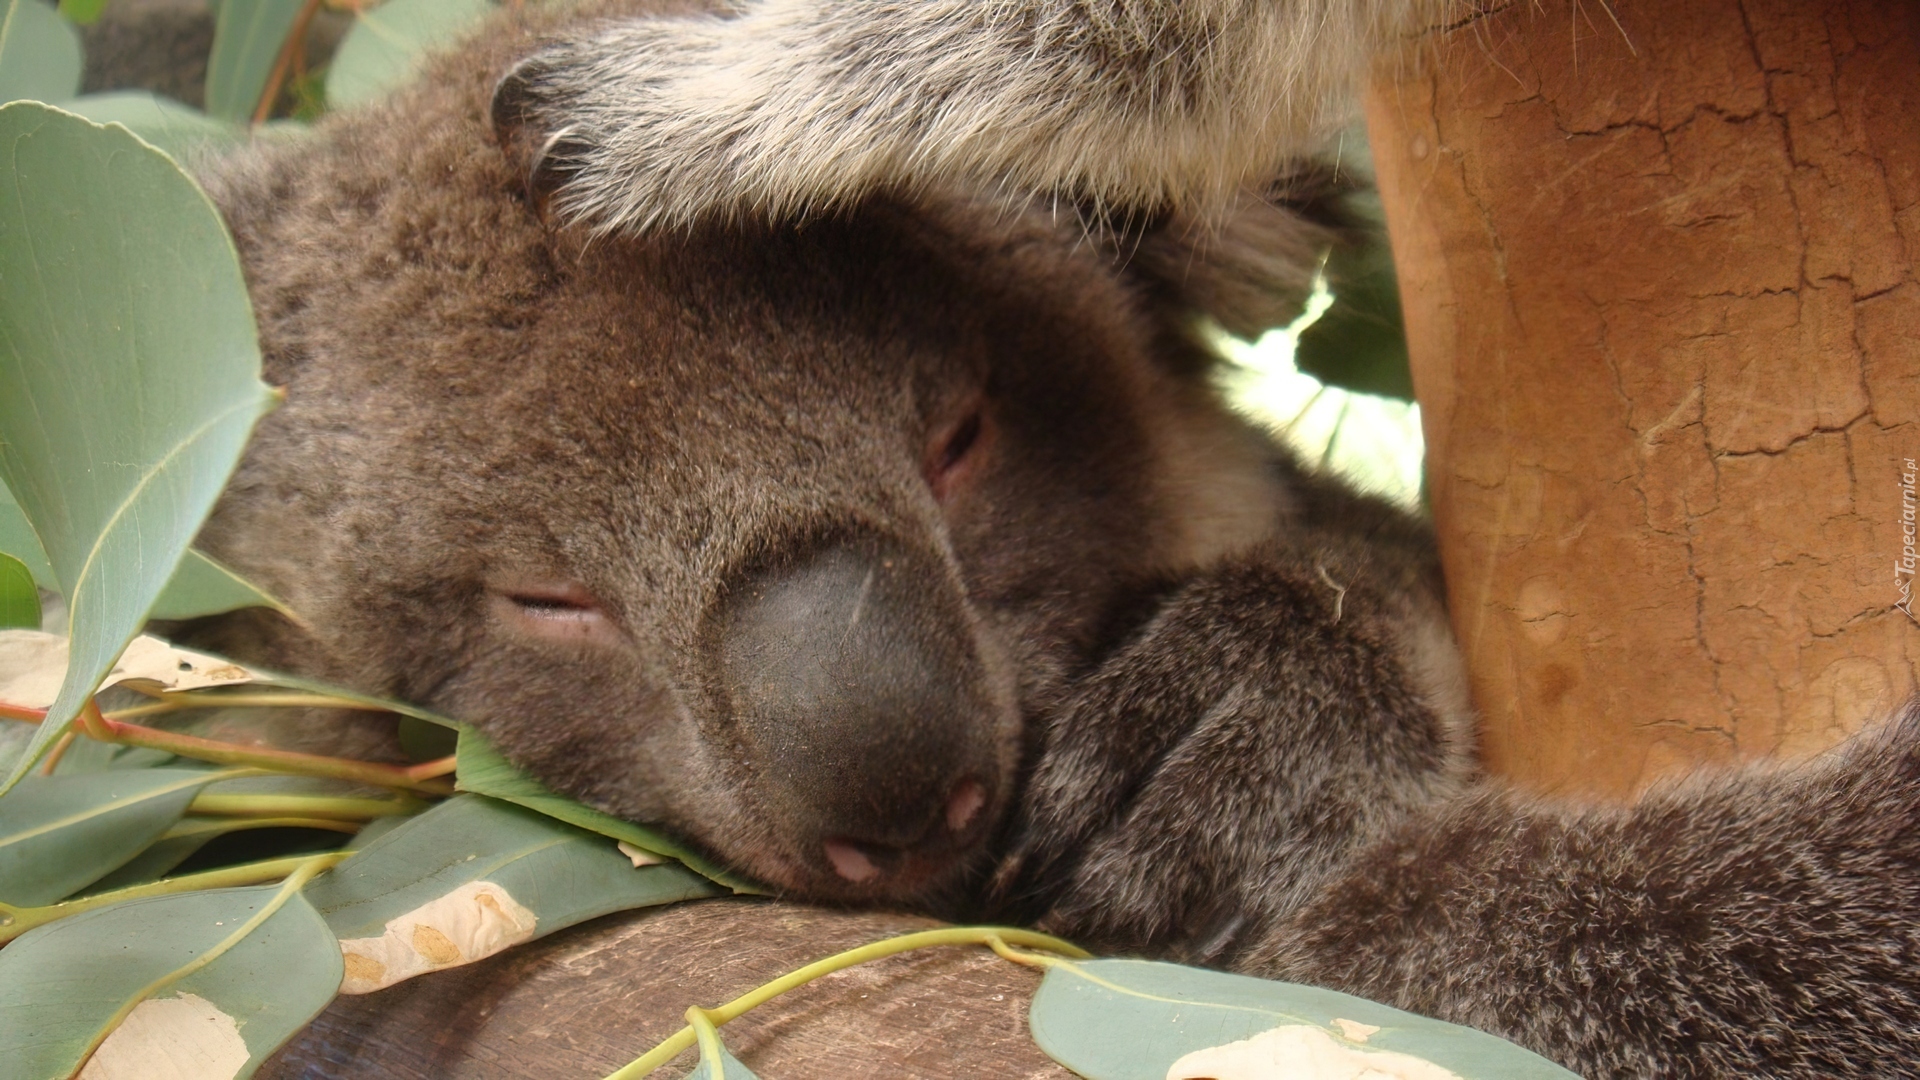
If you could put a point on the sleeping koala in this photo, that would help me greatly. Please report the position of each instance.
(906, 556)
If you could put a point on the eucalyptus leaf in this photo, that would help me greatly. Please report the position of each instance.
(129, 372)
(180, 130)
(199, 585)
(483, 770)
(387, 43)
(247, 39)
(19, 596)
(58, 833)
(160, 857)
(1132, 1019)
(39, 52)
(473, 876)
(17, 539)
(62, 984)
(82, 11)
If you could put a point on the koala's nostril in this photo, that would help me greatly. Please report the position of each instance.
(964, 804)
(850, 862)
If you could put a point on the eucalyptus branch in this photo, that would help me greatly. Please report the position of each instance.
(997, 937)
(425, 778)
(15, 921)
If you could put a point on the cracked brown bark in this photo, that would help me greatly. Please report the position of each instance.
(1662, 302)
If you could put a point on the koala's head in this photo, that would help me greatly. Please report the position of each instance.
(770, 534)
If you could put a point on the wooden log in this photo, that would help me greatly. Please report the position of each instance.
(586, 1001)
(1658, 263)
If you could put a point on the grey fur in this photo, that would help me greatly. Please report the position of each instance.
(1206, 696)
(793, 106)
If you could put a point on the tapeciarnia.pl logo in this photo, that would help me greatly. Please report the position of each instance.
(1903, 567)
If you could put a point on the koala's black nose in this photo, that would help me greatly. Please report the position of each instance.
(861, 699)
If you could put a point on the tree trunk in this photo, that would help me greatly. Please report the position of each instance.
(1658, 265)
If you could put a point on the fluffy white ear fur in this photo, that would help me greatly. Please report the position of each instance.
(788, 107)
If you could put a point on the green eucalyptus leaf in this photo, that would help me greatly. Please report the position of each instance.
(83, 12)
(483, 770)
(387, 43)
(17, 539)
(129, 372)
(161, 856)
(177, 129)
(247, 39)
(199, 585)
(19, 596)
(473, 876)
(39, 52)
(58, 833)
(1133, 1019)
(62, 984)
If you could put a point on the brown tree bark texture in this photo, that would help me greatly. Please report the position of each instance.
(1658, 264)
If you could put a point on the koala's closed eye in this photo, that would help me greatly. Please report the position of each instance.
(563, 612)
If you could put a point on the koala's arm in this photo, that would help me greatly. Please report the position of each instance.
(1756, 923)
(1259, 777)
(792, 106)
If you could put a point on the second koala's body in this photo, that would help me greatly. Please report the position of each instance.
(909, 557)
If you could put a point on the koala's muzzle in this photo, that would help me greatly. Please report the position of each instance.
(867, 715)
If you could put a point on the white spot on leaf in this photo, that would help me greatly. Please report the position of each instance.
(32, 665)
(1355, 1031)
(176, 1038)
(1303, 1052)
(470, 923)
(640, 856)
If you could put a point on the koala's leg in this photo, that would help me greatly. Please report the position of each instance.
(1756, 923)
(1211, 771)
(798, 105)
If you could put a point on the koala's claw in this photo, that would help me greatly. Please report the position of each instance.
(549, 160)
(513, 100)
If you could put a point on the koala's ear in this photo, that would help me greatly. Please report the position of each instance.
(1249, 271)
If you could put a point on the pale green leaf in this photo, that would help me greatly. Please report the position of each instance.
(129, 372)
(199, 585)
(39, 52)
(161, 856)
(19, 596)
(17, 540)
(178, 129)
(423, 872)
(387, 43)
(61, 984)
(247, 39)
(58, 833)
(1132, 1019)
(485, 771)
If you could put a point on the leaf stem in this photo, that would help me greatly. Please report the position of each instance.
(223, 826)
(955, 935)
(15, 921)
(708, 1035)
(176, 700)
(303, 873)
(219, 804)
